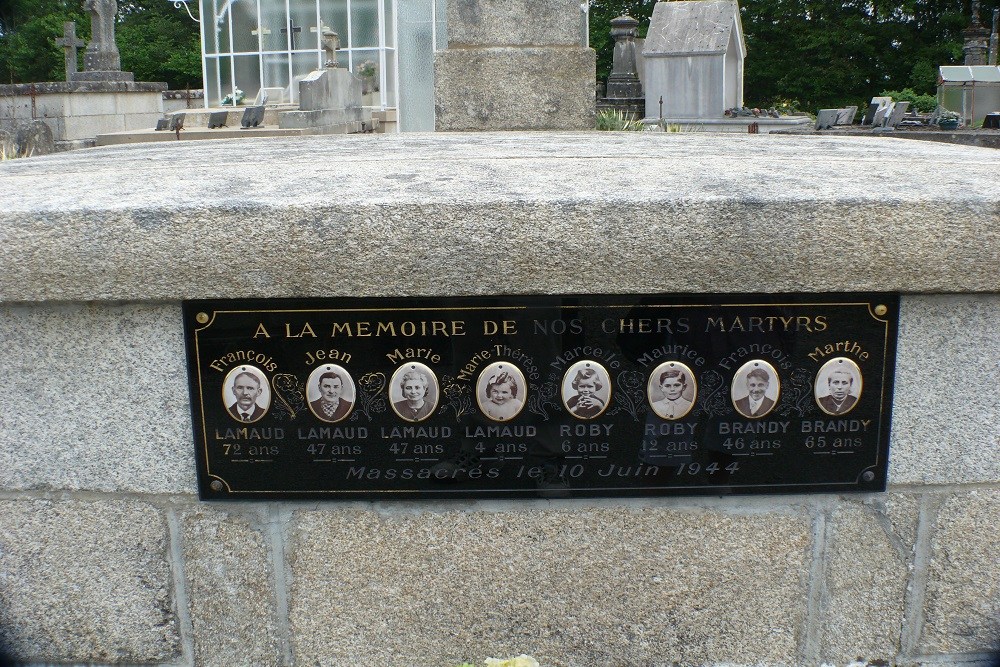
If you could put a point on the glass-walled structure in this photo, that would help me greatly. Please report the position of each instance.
(248, 45)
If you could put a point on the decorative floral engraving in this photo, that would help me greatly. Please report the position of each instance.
(289, 396)
(544, 395)
(797, 394)
(459, 397)
(630, 396)
(370, 400)
(713, 397)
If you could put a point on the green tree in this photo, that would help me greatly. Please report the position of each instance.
(156, 41)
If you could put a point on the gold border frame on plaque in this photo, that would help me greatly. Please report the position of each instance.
(312, 386)
(520, 395)
(568, 392)
(433, 387)
(653, 385)
(227, 391)
(774, 381)
(826, 370)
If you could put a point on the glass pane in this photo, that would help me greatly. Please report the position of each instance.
(212, 94)
(389, 20)
(304, 21)
(366, 68)
(226, 80)
(244, 25)
(389, 92)
(364, 23)
(248, 76)
(416, 66)
(273, 20)
(334, 15)
(208, 36)
(302, 64)
(441, 24)
(276, 75)
(220, 25)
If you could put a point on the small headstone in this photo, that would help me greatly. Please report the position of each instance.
(162, 124)
(177, 122)
(253, 117)
(217, 119)
(826, 118)
(870, 114)
(879, 118)
(33, 137)
(898, 111)
(846, 116)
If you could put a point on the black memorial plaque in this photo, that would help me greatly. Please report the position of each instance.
(541, 396)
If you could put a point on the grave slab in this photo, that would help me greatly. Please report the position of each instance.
(165, 221)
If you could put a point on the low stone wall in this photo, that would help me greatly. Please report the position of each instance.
(84, 109)
(107, 556)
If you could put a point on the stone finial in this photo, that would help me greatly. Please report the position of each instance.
(624, 79)
(70, 43)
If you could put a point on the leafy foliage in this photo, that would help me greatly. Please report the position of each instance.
(156, 41)
(922, 103)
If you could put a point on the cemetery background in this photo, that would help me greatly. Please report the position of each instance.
(810, 55)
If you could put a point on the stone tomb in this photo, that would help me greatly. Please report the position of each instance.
(108, 557)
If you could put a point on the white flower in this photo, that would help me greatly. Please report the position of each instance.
(520, 661)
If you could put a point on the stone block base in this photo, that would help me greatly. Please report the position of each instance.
(514, 89)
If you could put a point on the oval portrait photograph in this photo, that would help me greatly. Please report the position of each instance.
(246, 393)
(838, 386)
(671, 390)
(414, 392)
(755, 389)
(501, 391)
(330, 393)
(586, 389)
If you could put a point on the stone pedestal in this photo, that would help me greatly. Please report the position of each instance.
(502, 72)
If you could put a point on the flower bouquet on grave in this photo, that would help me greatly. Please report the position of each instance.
(240, 97)
(948, 120)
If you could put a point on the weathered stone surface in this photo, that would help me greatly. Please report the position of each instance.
(582, 587)
(168, 221)
(85, 582)
(514, 23)
(945, 408)
(962, 606)
(95, 398)
(870, 553)
(514, 89)
(230, 587)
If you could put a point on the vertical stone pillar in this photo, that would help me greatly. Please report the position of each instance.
(514, 65)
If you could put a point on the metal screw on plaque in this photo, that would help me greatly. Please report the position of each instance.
(867, 476)
(217, 485)
(201, 317)
(881, 310)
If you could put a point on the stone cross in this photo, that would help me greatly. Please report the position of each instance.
(331, 42)
(70, 43)
(102, 52)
